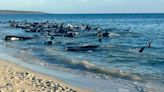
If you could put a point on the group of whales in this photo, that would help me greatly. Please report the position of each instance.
(60, 29)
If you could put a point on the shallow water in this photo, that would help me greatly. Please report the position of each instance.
(118, 55)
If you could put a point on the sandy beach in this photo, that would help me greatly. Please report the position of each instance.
(14, 78)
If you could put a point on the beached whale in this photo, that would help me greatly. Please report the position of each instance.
(82, 48)
(16, 38)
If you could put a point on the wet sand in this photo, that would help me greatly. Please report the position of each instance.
(14, 78)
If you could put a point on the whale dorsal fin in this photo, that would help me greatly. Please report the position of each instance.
(142, 49)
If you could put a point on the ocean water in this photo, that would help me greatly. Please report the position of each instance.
(117, 56)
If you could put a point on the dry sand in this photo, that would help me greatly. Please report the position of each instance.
(14, 78)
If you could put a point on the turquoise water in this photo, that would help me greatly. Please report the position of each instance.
(118, 54)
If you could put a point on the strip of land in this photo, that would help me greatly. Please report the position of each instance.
(14, 78)
(20, 12)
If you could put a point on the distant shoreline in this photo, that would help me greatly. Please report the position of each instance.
(20, 12)
(39, 12)
(102, 13)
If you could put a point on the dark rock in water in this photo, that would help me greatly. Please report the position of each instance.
(82, 48)
(17, 38)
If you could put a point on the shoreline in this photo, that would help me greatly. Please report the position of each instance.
(80, 83)
(17, 78)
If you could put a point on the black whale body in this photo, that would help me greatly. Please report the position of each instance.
(16, 38)
(82, 48)
(48, 42)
